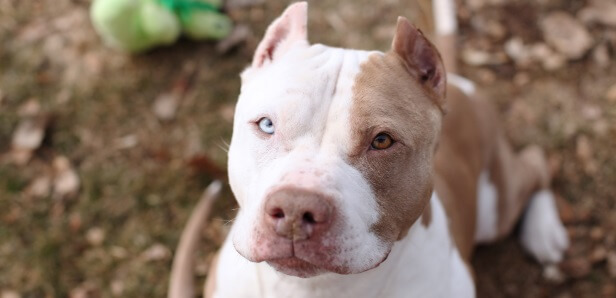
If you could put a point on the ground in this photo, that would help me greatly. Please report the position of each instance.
(128, 143)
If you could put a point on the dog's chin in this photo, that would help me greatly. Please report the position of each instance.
(300, 268)
(296, 267)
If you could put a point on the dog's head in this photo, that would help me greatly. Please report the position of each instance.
(331, 154)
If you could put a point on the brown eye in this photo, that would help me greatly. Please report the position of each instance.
(381, 142)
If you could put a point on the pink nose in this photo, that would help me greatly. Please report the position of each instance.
(297, 214)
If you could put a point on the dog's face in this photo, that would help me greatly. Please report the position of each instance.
(331, 155)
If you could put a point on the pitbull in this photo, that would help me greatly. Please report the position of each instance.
(365, 174)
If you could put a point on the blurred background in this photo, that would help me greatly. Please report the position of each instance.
(104, 154)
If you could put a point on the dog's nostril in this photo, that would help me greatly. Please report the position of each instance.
(308, 217)
(277, 213)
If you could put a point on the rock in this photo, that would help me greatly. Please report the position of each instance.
(66, 181)
(566, 34)
(599, 11)
(156, 252)
(577, 267)
(611, 264)
(95, 236)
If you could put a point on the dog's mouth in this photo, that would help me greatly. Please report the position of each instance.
(296, 267)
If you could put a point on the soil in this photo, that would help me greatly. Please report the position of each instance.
(128, 142)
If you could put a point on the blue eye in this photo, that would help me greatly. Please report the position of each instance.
(266, 125)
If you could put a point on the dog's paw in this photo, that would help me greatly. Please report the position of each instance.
(543, 233)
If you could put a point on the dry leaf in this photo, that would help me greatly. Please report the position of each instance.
(240, 34)
(156, 252)
(165, 106)
(27, 138)
(66, 181)
(40, 187)
(576, 267)
(9, 294)
(95, 236)
(566, 34)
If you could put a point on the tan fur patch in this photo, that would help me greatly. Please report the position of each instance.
(386, 98)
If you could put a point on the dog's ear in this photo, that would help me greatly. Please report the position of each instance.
(421, 58)
(282, 33)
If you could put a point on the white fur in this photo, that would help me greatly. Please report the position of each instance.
(425, 263)
(543, 234)
(487, 210)
(445, 17)
(467, 86)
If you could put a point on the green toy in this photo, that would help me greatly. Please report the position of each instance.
(138, 25)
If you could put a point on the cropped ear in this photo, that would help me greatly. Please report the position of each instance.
(282, 33)
(421, 58)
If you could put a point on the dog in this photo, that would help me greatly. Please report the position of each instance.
(371, 174)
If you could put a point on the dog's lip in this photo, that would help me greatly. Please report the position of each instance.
(295, 266)
(291, 262)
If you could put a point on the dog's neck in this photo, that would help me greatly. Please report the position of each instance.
(426, 252)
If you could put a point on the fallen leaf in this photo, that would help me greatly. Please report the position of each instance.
(10, 294)
(599, 11)
(166, 105)
(566, 34)
(126, 142)
(611, 264)
(95, 236)
(240, 34)
(577, 267)
(40, 187)
(553, 274)
(27, 138)
(202, 163)
(596, 233)
(156, 252)
(66, 181)
(610, 94)
(598, 254)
